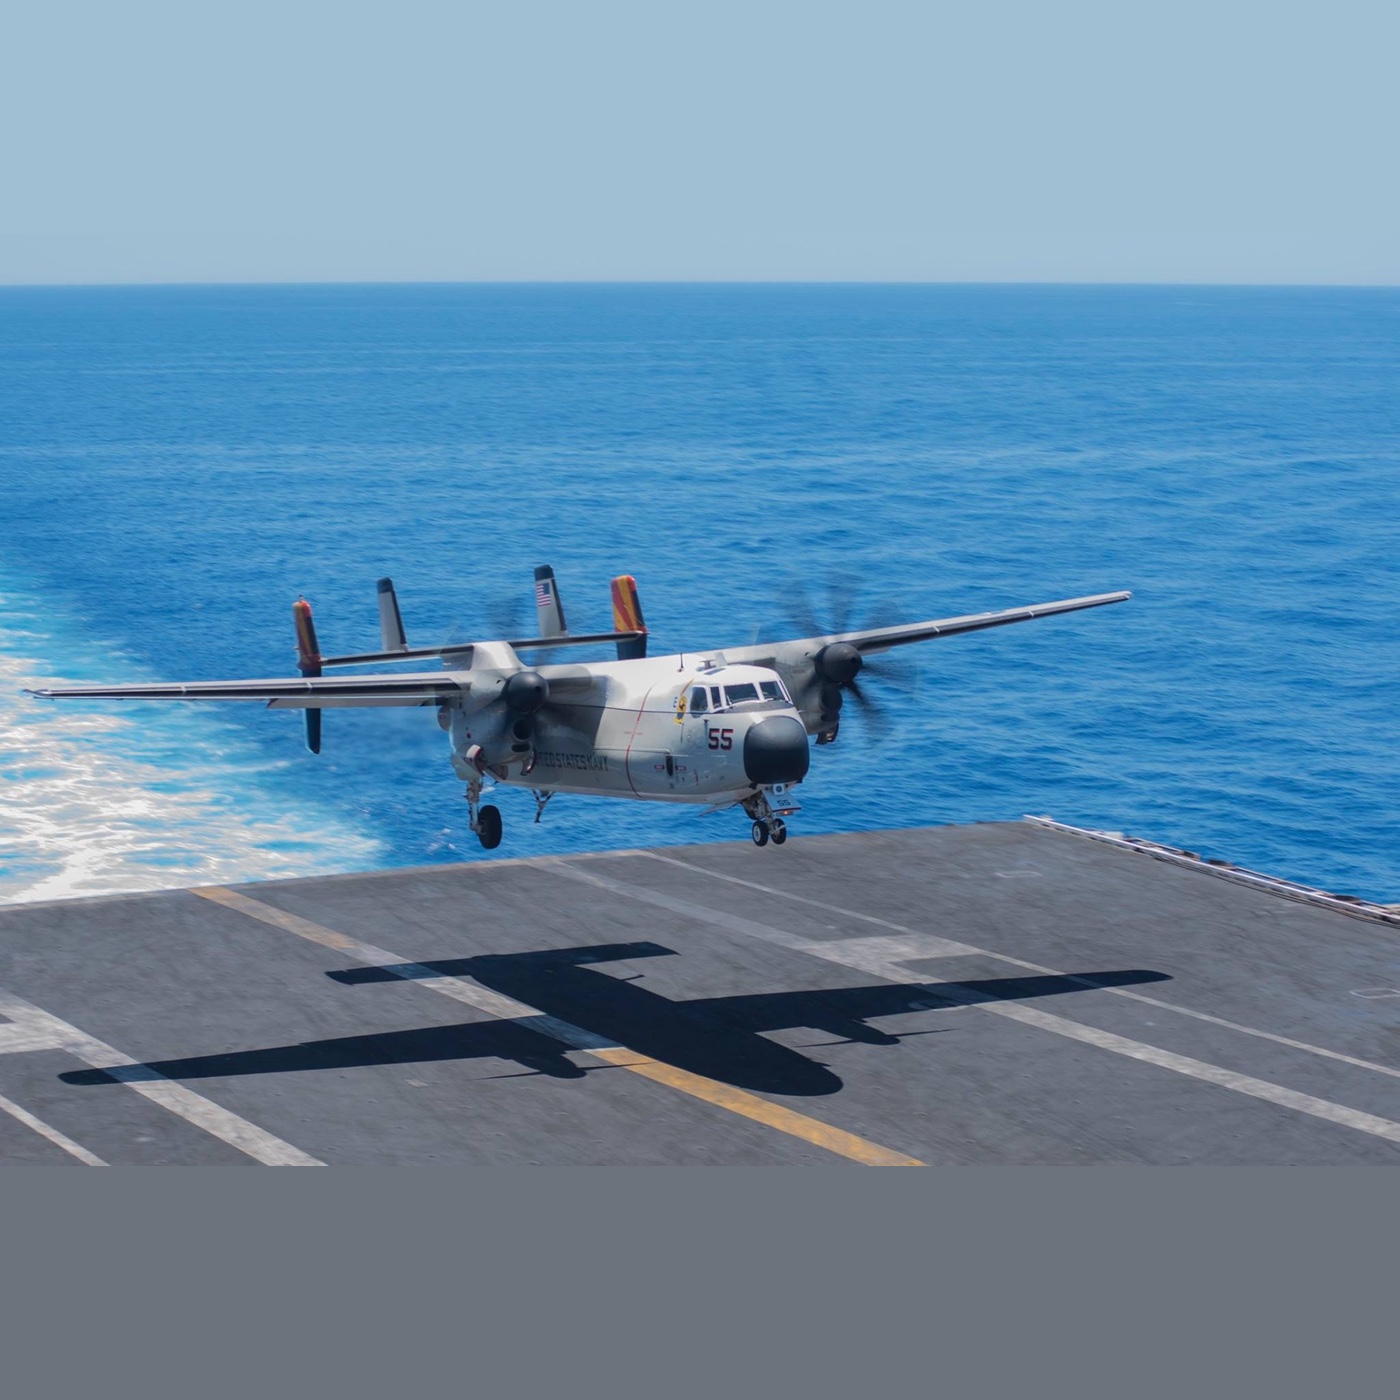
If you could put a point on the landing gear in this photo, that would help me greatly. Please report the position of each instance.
(488, 827)
(766, 809)
(485, 821)
(541, 800)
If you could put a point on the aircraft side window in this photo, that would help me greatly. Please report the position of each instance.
(699, 700)
(737, 694)
(715, 698)
(771, 690)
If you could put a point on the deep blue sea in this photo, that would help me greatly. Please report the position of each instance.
(178, 464)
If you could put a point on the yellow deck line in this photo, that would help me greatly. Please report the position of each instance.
(726, 1096)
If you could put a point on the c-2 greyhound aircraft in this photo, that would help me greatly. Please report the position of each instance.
(723, 727)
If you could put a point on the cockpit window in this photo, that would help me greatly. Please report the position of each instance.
(715, 698)
(737, 694)
(699, 700)
(772, 690)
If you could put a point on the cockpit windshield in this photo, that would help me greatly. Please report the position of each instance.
(768, 694)
(756, 692)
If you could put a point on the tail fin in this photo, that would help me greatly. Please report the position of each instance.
(309, 664)
(627, 617)
(547, 601)
(390, 620)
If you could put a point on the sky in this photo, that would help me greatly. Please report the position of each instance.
(530, 141)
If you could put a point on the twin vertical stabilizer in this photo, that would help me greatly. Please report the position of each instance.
(309, 664)
(391, 631)
(547, 604)
(627, 617)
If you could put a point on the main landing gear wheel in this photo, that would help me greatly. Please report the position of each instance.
(779, 831)
(488, 827)
(759, 833)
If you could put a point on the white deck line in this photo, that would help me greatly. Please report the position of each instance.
(46, 1031)
(47, 1130)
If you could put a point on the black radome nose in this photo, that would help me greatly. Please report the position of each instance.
(775, 751)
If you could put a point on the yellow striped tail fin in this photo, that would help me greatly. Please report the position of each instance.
(627, 617)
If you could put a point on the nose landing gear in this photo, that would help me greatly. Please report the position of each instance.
(766, 808)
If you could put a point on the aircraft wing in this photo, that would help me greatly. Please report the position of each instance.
(288, 693)
(798, 663)
(877, 639)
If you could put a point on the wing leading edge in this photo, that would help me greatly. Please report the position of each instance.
(287, 693)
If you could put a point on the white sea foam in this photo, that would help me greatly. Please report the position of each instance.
(101, 802)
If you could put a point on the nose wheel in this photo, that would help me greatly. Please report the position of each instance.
(766, 808)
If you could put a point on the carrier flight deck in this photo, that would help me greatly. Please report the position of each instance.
(1018, 992)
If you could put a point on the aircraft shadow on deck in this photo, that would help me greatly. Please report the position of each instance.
(718, 1037)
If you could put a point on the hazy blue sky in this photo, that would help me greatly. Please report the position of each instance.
(974, 141)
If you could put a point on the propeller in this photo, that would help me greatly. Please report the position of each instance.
(528, 699)
(836, 666)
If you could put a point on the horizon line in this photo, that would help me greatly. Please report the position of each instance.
(698, 282)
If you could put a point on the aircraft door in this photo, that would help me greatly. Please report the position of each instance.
(651, 750)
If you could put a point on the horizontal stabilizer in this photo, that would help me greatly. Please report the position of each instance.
(371, 658)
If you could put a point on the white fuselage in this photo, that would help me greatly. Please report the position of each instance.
(663, 729)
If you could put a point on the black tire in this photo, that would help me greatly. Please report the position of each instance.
(488, 827)
(759, 834)
(779, 831)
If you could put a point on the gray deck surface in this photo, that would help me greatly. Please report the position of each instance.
(985, 994)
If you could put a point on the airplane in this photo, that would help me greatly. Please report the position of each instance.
(724, 727)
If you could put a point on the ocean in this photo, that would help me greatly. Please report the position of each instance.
(178, 464)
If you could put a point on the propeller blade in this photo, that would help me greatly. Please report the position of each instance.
(898, 670)
(802, 616)
(842, 595)
(873, 714)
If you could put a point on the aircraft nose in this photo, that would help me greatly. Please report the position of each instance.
(775, 751)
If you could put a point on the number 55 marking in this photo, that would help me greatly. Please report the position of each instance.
(720, 738)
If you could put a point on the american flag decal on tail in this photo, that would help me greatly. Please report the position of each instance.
(548, 603)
